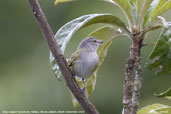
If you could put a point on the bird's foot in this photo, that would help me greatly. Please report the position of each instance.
(83, 91)
(73, 74)
(84, 88)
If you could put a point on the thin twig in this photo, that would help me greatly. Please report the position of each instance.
(150, 28)
(59, 57)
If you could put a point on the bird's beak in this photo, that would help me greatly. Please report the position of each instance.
(100, 41)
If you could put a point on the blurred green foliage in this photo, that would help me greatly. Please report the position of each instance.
(26, 79)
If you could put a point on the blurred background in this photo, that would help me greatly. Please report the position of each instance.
(26, 79)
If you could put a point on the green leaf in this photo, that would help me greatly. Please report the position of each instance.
(134, 8)
(161, 53)
(110, 1)
(163, 6)
(160, 3)
(166, 94)
(134, 1)
(126, 8)
(65, 33)
(61, 1)
(165, 110)
(155, 109)
(142, 8)
(149, 11)
(106, 34)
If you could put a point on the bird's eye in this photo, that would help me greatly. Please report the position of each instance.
(94, 41)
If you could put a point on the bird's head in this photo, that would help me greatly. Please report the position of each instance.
(90, 43)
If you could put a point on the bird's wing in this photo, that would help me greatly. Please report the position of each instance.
(75, 56)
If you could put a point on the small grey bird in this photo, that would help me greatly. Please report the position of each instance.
(84, 60)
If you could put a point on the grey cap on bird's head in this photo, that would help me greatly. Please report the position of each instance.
(90, 43)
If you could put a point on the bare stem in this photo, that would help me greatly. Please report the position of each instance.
(132, 91)
(127, 96)
(59, 57)
(138, 72)
(137, 85)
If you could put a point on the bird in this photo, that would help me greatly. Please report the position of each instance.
(84, 61)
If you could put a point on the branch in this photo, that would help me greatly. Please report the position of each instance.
(150, 28)
(132, 92)
(127, 93)
(137, 85)
(137, 43)
(138, 73)
(59, 57)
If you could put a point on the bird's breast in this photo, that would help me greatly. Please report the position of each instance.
(86, 65)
